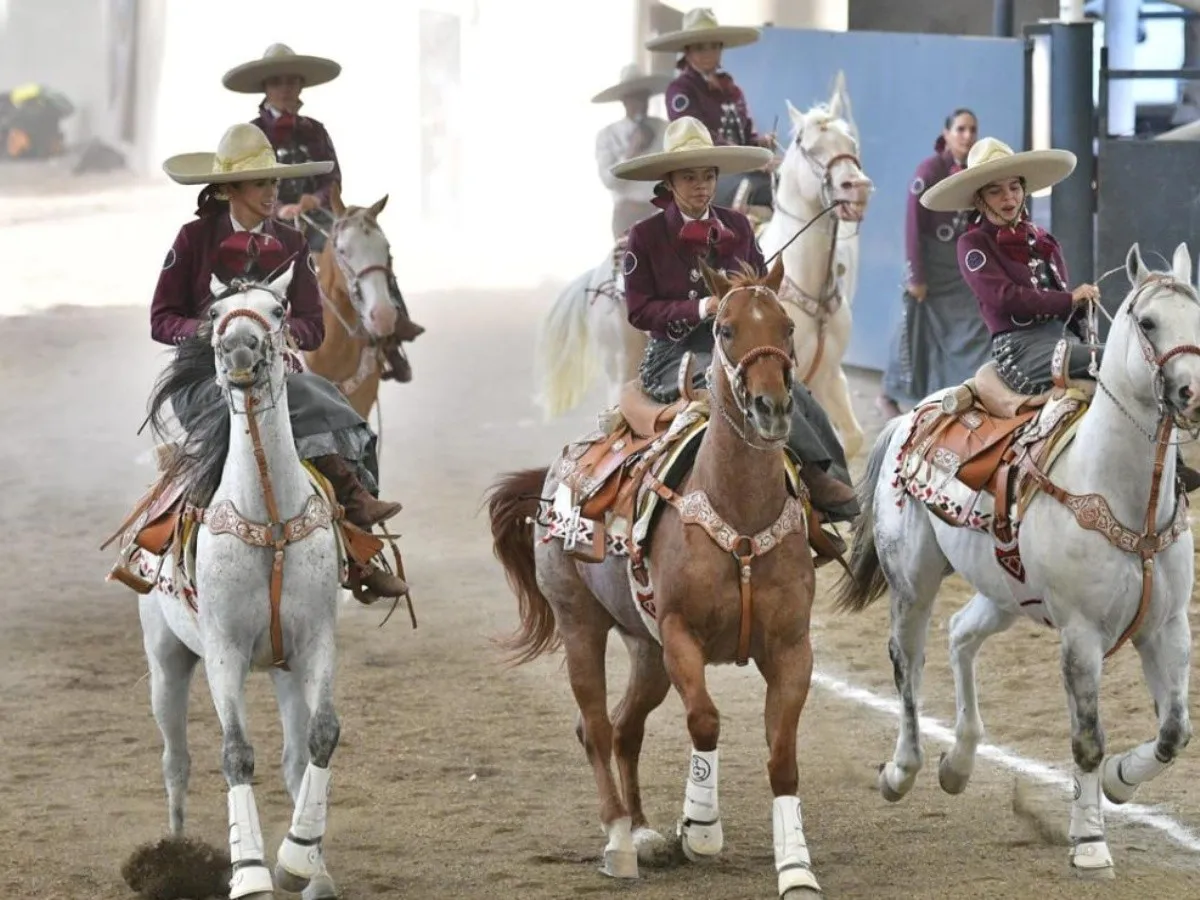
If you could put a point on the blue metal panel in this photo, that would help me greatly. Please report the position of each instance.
(901, 87)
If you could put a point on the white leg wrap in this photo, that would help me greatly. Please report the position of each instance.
(250, 874)
(1089, 850)
(701, 813)
(300, 852)
(1124, 772)
(792, 861)
(620, 855)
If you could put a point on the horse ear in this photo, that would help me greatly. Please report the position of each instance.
(775, 276)
(279, 286)
(216, 286)
(837, 104)
(796, 117)
(335, 200)
(1135, 268)
(1181, 264)
(717, 283)
(377, 206)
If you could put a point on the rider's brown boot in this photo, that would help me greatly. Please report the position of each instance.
(361, 508)
(1186, 474)
(378, 582)
(826, 491)
(398, 366)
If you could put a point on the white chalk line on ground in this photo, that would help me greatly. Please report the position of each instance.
(1049, 775)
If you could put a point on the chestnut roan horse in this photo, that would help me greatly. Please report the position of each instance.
(354, 270)
(699, 593)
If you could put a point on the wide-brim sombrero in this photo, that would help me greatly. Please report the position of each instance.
(244, 154)
(687, 144)
(1039, 168)
(700, 26)
(638, 84)
(279, 60)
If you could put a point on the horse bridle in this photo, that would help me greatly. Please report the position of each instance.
(270, 348)
(1154, 360)
(735, 373)
(352, 278)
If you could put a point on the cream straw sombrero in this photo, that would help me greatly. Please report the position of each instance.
(991, 160)
(244, 154)
(633, 81)
(280, 59)
(700, 26)
(688, 145)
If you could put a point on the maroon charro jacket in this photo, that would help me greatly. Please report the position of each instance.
(182, 294)
(1008, 294)
(300, 139)
(663, 284)
(722, 109)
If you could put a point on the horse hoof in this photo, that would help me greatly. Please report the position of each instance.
(951, 782)
(320, 888)
(889, 793)
(1091, 861)
(286, 881)
(620, 864)
(701, 842)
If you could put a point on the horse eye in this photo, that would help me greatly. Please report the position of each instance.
(212, 313)
(726, 332)
(277, 311)
(1146, 323)
(791, 328)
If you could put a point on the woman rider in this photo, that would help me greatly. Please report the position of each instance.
(705, 91)
(281, 75)
(1016, 269)
(240, 195)
(664, 289)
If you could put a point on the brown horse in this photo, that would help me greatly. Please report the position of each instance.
(738, 587)
(353, 270)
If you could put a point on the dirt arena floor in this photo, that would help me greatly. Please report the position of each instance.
(457, 777)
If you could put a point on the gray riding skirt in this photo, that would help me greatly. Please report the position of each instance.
(323, 421)
(1023, 356)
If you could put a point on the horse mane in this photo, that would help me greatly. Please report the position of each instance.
(746, 276)
(200, 458)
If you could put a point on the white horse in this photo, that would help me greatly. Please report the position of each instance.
(587, 329)
(263, 523)
(1110, 557)
(587, 332)
(821, 166)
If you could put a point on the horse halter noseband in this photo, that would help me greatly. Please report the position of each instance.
(735, 373)
(1155, 360)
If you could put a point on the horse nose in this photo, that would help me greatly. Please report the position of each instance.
(766, 405)
(233, 341)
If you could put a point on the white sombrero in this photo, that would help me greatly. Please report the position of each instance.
(634, 80)
(688, 145)
(280, 59)
(244, 154)
(700, 26)
(991, 160)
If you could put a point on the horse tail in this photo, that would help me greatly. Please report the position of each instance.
(510, 502)
(865, 582)
(565, 361)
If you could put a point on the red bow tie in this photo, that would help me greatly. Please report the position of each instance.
(285, 124)
(710, 232)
